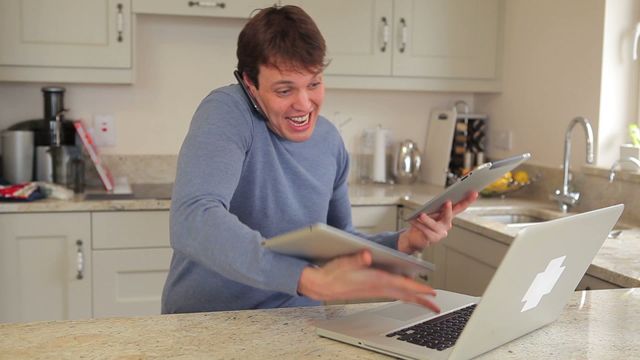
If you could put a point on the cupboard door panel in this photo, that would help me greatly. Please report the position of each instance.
(446, 38)
(66, 33)
(129, 282)
(354, 32)
(40, 257)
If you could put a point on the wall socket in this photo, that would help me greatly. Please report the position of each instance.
(104, 130)
(503, 139)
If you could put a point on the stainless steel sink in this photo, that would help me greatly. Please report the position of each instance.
(514, 217)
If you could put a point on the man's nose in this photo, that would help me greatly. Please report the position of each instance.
(302, 101)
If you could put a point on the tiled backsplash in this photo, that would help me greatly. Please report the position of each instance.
(593, 184)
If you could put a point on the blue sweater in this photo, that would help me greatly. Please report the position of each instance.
(238, 183)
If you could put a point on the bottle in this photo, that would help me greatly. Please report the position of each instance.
(76, 175)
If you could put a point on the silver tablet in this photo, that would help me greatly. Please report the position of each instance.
(476, 180)
(320, 243)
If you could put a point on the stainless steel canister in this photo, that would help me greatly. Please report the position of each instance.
(17, 156)
(407, 163)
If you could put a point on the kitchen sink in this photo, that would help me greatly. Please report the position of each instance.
(521, 217)
(513, 218)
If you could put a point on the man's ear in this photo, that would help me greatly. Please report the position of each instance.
(250, 85)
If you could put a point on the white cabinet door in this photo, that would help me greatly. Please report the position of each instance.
(66, 41)
(465, 261)
(446, 38)
(220, 8)
(65, 33)
(358, 34)
(374, 219)
(129, 282)
(45, 267)
(131, 260)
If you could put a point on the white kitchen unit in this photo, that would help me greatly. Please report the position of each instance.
(373, 219)
(131, 260)
(410, 44)
(45, 266)
(223, 8)
(66, 41)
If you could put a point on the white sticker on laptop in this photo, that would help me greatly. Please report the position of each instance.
(543, 283)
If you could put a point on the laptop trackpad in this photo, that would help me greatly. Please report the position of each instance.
(403, 312)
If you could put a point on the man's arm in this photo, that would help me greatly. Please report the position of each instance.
(202, 228)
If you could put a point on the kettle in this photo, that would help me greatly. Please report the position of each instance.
(407, 163)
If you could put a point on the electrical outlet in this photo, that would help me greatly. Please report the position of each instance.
(503, 139)
(104, 130)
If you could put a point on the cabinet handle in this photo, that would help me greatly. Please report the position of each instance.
(385, 34)
(403, 34)
(213, 4)
(79, 260)
(636, 36)
(120, 22)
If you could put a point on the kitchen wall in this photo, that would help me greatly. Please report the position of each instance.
(178, 61)
(563, 59)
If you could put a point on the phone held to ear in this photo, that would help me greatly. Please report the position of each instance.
(245, 89)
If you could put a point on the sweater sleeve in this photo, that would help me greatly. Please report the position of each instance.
(339, 215)
(202, 228)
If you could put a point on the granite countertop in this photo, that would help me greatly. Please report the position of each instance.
(617, 262)
(602, 324)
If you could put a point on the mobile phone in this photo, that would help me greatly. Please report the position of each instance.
(253, 101)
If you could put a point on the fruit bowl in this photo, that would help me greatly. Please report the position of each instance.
(511, 187)
(507, 184)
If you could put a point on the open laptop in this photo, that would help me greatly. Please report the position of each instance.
(530, 288)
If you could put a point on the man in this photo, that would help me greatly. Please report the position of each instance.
(244, 175)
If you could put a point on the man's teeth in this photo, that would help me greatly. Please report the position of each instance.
(299, 120)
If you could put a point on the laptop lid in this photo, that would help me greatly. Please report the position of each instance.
(535, 280)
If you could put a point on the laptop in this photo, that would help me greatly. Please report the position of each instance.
(530, 288)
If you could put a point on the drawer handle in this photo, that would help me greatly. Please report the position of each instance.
(79, 260)
(120, 22)
(213, 4)
(403, 33)
(385, 34)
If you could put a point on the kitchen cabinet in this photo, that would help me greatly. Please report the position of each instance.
(45, 267)
(66, 41)
(410, 44)
(229, 9)
(131, 257)
(373, 219)
(467, 261)
(123, 257)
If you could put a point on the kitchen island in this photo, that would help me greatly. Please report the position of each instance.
(603, 324)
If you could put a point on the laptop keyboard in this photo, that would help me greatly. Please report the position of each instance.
(439, 333)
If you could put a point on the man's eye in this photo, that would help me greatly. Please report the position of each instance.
(314, 85)
(284, 92)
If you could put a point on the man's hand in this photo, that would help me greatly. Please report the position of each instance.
(429, 229)
(351, 277)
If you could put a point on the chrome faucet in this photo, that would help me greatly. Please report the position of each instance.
(632, 160)
(564, 196)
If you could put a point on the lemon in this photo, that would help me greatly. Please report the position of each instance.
(499, 185)
(521, 177)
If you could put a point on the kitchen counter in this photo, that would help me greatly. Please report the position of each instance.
(618, 261)
(603, 324)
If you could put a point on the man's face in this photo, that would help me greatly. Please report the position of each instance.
(291, 100)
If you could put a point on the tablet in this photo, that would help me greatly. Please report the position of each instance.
(320, 243)
(476, 180)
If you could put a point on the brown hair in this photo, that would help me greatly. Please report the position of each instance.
(281, 37)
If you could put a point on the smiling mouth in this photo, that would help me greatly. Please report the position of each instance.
(299, 121)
